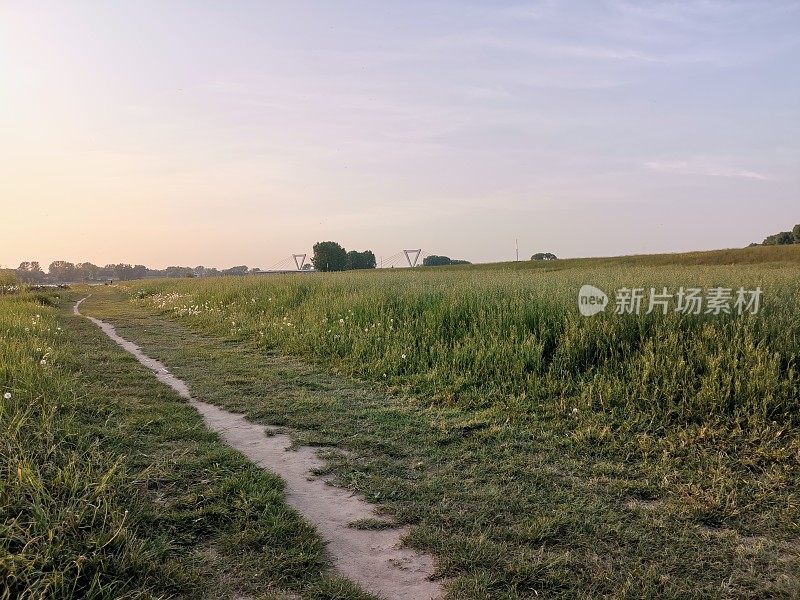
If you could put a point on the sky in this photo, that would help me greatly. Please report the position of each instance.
(222, 133)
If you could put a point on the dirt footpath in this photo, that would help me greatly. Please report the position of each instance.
(373, 559)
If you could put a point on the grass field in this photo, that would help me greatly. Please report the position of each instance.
(112, 487)
(511, 337)
(536, 451)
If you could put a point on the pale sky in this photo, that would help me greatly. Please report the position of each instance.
(221, 133)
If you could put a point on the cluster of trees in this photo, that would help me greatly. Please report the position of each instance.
(331, 256)
(61, 271)
(433, 260)
(544, 256)
(784, 237)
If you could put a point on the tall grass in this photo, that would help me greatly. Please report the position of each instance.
(511, 337)
(65, 506)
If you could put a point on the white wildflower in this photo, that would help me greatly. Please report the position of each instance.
(7, 395)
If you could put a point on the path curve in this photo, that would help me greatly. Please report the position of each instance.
(372, 559)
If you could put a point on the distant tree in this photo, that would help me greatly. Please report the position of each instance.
(139, 272)
(329, 256)
(124, 271)
(544, 256)
(30, 272)
(779, 239)
(434, 260)
(361, 260)
(796, 233)
(174, 271)
(62, 271)
(238, 270)
(86, 271)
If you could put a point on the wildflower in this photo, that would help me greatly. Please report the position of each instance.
(7, 395)
(403, 356)
(341, 321)
(43, 362)
(574, 411)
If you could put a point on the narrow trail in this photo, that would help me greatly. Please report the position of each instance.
(373, 559)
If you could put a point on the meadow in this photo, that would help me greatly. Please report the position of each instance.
(511, 335)
(110, 486)
(536, 451)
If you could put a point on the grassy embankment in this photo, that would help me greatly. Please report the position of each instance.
(536, 450)
(111, 487)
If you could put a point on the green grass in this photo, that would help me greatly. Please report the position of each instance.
(111, 486)
(536, 451)
(479, 338)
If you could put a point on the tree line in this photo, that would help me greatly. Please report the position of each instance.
(61, 271)
(782, 238)
(328, 256)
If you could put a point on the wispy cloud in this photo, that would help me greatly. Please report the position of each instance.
(525, 45)
(702, 167)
